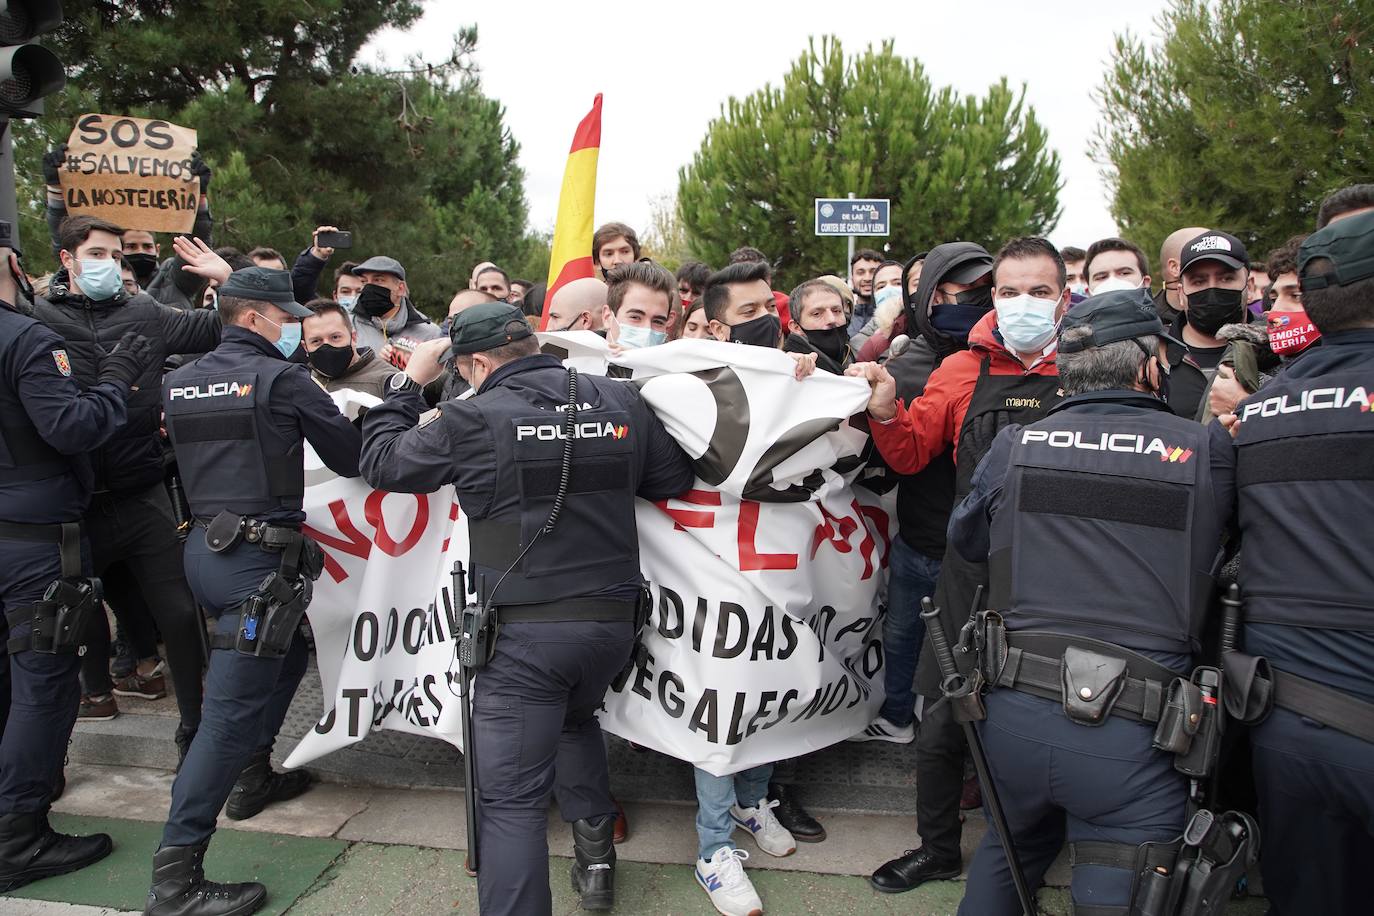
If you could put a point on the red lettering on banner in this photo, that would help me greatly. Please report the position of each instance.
(749, 558)
(372, 511)
(687, 518)
(866, 547)
(356, 544)
(879, 521)
(835, 530)
(452, 517)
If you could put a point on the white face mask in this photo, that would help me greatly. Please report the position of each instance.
(1027, 323)
(1111, 285)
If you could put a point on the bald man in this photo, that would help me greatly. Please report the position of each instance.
(476, 271)
(578, 306)
(1166, 301)
(466, 298)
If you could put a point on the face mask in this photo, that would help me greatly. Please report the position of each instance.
(348, 302)
(956, 320)
(1027, 323)
(633, 338)
(331, 361)
(886, 294)
(1078, 289)
(759, 332)
(374, 301)
(99, 278)
(1112, 284)
(831, 341)
(143, 265)
(214, 301)
(290, 337)
(1210, 308)
(1291, 332)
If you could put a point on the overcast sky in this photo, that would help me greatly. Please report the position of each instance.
(666, 69)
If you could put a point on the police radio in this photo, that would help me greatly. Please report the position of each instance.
(476, 627)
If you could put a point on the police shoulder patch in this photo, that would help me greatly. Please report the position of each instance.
(64, 365)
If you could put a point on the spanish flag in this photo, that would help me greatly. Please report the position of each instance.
(572, 233)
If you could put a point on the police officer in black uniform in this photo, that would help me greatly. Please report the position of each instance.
(566, 608)
(238, 418)
(1101, 526)
(1305, 497)
(47, 425)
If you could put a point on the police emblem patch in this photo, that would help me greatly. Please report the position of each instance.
(64, 365)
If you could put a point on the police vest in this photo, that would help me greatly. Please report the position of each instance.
(1108, 530)
(24, 455)
(595, 544)
(1305, 480)
(230, 452)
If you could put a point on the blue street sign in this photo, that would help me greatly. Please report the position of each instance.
(849, 216)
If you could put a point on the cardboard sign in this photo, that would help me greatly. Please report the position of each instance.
(134, 172)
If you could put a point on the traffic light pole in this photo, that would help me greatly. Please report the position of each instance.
(8, 205)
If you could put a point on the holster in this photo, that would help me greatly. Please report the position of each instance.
(1217, 850)
(1181, 717)
(639, 653)
(477, 636)
(58, 619)
(1249, 687)
(1200, 758)
(270, 618)
(223, 532)
(1092, 683)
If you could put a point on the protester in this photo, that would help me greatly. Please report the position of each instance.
(578, 306)
(1291, 331)
(695, 326)
(267, 257)
(1168, 300)
(453, 382)
(384, 317)
(747, 254)
(1075, 269)
(518, 289)
(691, 280)
(1112, 264)
(495, 282)
(887, 306)
(310, 263)
(614, 244)
(639, 299)
(336, 361)
(862, 267)
(819, 326)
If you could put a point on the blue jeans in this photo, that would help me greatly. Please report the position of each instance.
(911, 577)
(715, 795)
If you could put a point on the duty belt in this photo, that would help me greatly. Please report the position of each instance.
(67, 535)
(588, 610)
(1034, 661)
(1327, 705)
(264, 534)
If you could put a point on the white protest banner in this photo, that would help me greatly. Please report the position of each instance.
(135, 172)
(766, 575)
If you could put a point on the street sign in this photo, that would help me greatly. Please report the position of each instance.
(848, 216)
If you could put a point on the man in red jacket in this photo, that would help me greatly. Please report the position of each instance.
(1006, 376)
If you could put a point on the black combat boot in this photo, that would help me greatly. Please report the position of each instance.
(259, 785)
(30, 849)
(180, 889)
(593, 874)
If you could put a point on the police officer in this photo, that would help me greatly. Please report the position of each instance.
(1100, 525)
(237, 418)
(1304, 500)
(566, 608)
(47, 425)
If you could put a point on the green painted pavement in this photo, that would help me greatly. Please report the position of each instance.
(288, 865)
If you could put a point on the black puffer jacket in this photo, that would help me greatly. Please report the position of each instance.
(132, 458)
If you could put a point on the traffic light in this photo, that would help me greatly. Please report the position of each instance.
(28, 72)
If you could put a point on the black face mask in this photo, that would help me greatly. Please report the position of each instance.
(374, 301)
(1210, 308)
(980, 297)
(331, 361)
(759, 332)
(143, 265)
(830, 341)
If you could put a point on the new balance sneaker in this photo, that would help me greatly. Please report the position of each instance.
(723, 878)
(772, 837)
(97, 708)
(882, 730)
(150, 686)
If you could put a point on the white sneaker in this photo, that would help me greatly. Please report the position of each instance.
(772, 837)
(723, 878)
(882, 730)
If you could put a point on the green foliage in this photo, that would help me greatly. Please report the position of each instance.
(1243, 118)
(954, 167)
(417, 163)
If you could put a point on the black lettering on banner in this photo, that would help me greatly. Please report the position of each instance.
(430, 681)
(672, 705)
(699, 624)
(704, 716)
(765, 700)
(730, 611)
(156, 136)
(92, 133)
(413, 631)
(838, 697)
(124, 133)
(355, 697)
(670, 602)
(365, 633)
(810, 708)
(643, 675)
(784, 707)
(326, 723)
(872, 658)
(763, 639)
(393, 626)
(733, 735)
(789, 630)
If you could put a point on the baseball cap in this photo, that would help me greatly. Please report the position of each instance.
(967, 261)
(487, 326)
(380, 264)
(1348, 244)
(265, 284)
(1215, 246)
(1122, 314)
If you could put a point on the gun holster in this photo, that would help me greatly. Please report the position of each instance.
(59, 618)
(639, 653)
(271, 616)
(1092, 683)
(477, 636)
(1217, 850)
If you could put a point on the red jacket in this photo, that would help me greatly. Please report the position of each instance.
(931, 424)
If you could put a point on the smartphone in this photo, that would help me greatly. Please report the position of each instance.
(334, 240)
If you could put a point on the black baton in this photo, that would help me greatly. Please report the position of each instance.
(955, 684)
(460, 593)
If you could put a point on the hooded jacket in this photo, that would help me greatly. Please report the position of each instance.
(132, 459)
(408, 326)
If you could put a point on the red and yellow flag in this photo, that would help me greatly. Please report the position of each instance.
(572, 233)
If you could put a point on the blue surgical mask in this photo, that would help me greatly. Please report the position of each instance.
(290, 337)
(887, 293)
(633, 338)
(348, 302)
(1027, 324)
(99, 278)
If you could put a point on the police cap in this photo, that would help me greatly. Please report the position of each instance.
(487, 326)
(1348, 244)
(265, 284)
(1122, 314)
